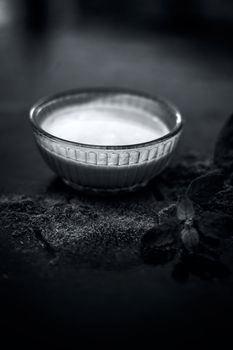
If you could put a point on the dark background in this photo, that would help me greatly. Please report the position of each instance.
(179, 49)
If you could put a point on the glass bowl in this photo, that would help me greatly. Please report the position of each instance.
(106, 168)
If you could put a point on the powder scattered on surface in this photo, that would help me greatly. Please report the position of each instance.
(63, 227)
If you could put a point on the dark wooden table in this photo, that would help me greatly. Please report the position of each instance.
(143, 300)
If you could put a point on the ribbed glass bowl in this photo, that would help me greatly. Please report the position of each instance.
(98, 168)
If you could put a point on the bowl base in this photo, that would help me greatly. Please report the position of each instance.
(105, 191)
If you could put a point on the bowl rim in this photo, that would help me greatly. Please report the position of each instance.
(35, 110)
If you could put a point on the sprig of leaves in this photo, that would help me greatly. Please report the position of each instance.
(198, 237)
(185, 212)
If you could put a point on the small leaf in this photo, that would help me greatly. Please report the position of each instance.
(223, 153)
(167, 213)
(202, 189)
(185, 210)
(215, 225)
(190, 237)
(223, 201)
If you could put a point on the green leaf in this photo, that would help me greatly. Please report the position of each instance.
(167, 213)
(202, 189)
(185, 210)
(190, 237)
